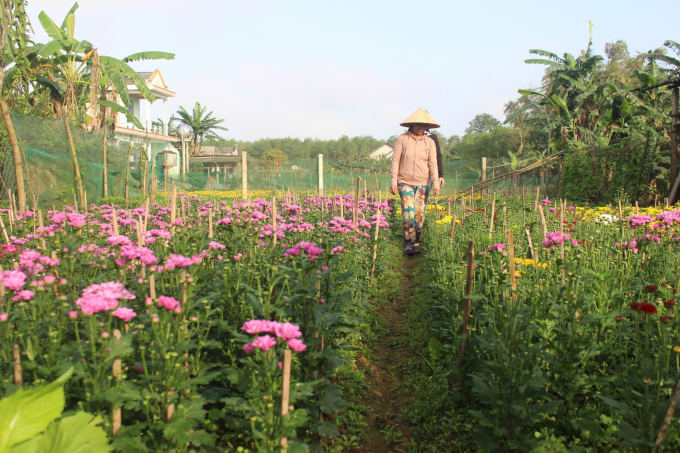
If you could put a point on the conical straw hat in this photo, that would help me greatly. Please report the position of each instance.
(420, 116)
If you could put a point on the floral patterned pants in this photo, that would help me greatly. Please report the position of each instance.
(413, 205)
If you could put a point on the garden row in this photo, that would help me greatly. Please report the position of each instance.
(176, 325)
(552, 326)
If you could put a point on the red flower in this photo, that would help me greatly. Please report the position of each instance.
(635, 306)
(652, 288)
(669, 303)
(664, 319)
(648, 308)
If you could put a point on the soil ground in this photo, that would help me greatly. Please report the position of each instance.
(389, 392)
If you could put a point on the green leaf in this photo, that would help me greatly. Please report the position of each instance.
(70, 11)
(50, 27)
(150, 55)
(114, 64)
(435, 347)
(28, 412)
(51, 84)
(120, 109)
(76, 434)
(70, 22)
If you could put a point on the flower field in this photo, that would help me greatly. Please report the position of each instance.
(179, 322)
(560, 335)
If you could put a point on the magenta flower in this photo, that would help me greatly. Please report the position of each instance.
(124, 313)
(639, 220)
(297, 345)
(555, 238)
(14, 280)
(264, 342)
(496, 247)
(178, 261)
(3, 317)
(546, 202)
(119, 240)
(287, 331)
(216, 246)
(255, 326)
(59, 217)
(571, 208)
(105, 334)
(73, 314)
(23, 295)
(249, 348)
(169, 303)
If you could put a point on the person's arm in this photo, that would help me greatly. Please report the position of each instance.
(434, 170)
(396, 160)
(439, 155)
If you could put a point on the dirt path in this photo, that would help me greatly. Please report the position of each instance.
(389, 393)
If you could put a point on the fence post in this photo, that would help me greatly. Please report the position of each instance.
(321, 175)
(484, 174)
(244, 174)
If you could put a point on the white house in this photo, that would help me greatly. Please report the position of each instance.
(386, 150)
(154, 136)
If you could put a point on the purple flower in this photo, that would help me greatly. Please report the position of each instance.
(14, 280)
(287, 331)
(496, 247)
(216, 246)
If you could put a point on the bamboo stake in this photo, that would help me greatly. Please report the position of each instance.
(210, 223)
(75, 159)
(513, 273)
(285, 390)
(173, 207)
(375, 246)
(468, 290)
(493, 214)
(564, 278)
(453, 227)
(4, 231)
(43, 246)
(534, 256)
(18, 373)
(505, 217)
(152, 285)
(115, 221)
(170, 409)
(146, 214)
(356, 203)
(668, 418)
(274, 220)
(117, 374)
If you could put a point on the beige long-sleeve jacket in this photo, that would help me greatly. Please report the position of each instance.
(415, 161)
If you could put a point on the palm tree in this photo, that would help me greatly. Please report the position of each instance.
(202, 124)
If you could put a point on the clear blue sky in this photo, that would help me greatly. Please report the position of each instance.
(330, 68)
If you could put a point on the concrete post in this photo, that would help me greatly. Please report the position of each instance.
(320, 175)
(244, 175)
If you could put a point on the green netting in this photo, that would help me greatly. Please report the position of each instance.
(50, 169)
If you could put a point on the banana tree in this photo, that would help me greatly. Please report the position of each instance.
(80, 76)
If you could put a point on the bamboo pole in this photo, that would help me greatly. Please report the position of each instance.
(43, 246)
(118, 375)
(18, 372)
(105, 171)
(511, 258)
(668, 417)
(468, 290)
(375, 246)
(75, 160)
(210, 223)
(4, 231)
(127, 172)
(534, 256)
(285, 391)
(115, 221)
(356, 202)
(493, 214)
(16, 152)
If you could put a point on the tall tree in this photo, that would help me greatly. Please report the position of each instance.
(482, 123)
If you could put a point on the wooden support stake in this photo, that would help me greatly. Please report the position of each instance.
(152, 285)
(513, 272)
(210, 223)
(356, 203)
(493, 214)
(18, 373)
(173, 207)
(75, 159)
(285, 390)
(4, 231)
(534, 256)
(468, 290)
(375, 246)
(117, 374)
(668, 418)
(43, 246)
(115, 221)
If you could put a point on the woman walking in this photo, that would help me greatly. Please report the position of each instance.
(414, 163)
